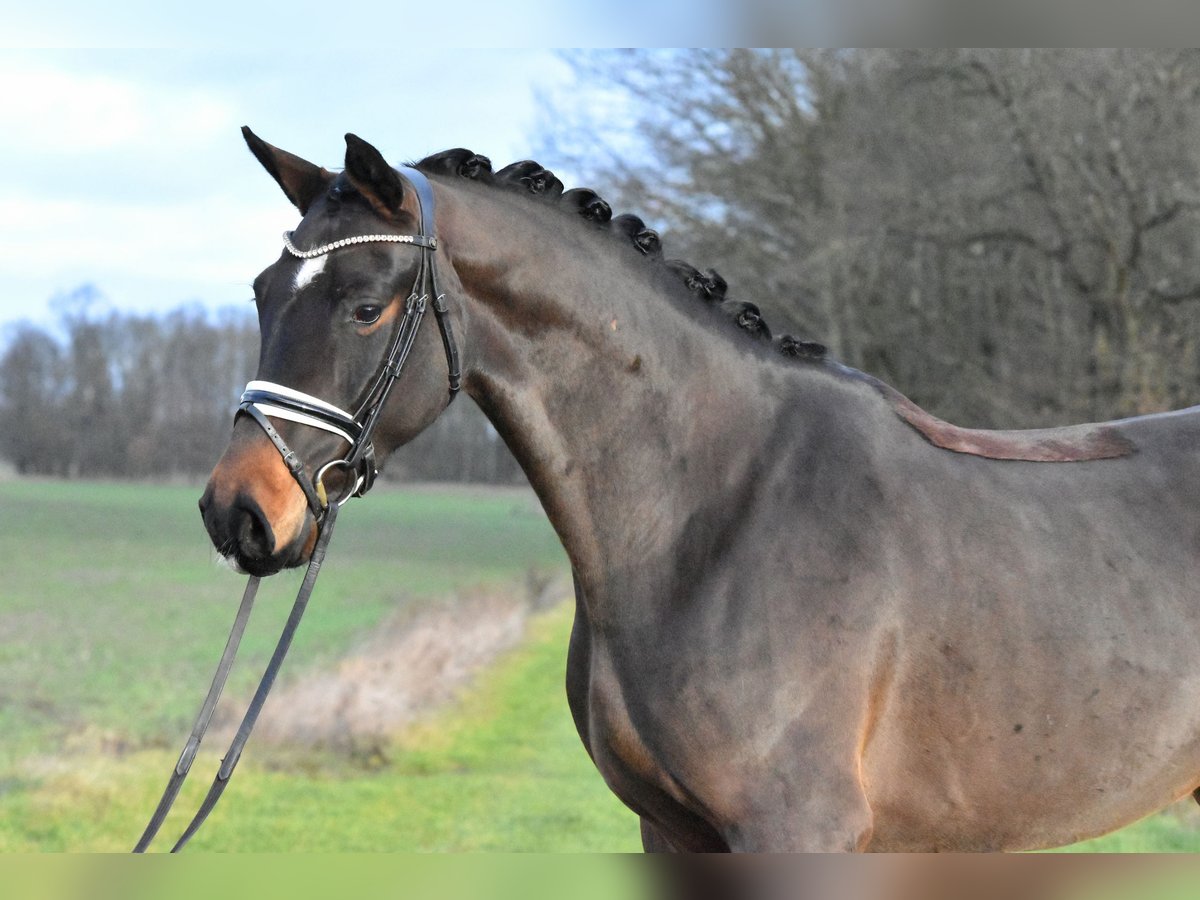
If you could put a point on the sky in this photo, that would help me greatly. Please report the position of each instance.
(121, 162)
(127, 170)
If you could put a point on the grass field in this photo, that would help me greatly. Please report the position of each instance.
(112, 616)
(113, 613)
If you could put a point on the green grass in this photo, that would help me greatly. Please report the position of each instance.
(502, 771)
(112, 617)
(1176, 830)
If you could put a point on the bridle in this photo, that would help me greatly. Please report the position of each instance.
(263, 400)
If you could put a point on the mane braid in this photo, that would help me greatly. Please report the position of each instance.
(791, 346)
(1070, 444)
(588, 204)
(461, 163)
(530, 177)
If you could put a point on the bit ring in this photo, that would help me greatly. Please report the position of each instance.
(349, 488)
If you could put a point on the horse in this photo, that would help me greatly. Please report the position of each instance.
(809, 615)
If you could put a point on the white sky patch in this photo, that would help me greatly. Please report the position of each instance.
(57, 111)
(259, 27)
(126, 170)
(142, 257)
(217, 238)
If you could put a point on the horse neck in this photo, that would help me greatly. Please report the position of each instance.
(619, 404)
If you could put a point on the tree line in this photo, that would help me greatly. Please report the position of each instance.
(122, 395)
(1008, 236)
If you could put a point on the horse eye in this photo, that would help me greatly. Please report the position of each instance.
(367, 314)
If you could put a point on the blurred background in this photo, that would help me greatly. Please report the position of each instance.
(1006, 236)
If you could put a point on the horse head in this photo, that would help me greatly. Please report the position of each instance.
(338, 314)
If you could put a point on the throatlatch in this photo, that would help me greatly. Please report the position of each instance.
(263, 400)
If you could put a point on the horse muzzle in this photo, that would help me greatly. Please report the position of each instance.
(256, 516)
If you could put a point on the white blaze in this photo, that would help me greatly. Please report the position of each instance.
(309, 270)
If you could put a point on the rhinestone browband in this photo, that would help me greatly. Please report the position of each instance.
(358, 239)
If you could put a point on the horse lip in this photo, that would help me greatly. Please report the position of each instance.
(232, 564)
(260, 568)
(293, 556)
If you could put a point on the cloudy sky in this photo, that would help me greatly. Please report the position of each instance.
(126, 169)
(121, 162)
(121, 165)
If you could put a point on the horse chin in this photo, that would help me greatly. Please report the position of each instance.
(230, 562)
(260, 568)
(293, 556)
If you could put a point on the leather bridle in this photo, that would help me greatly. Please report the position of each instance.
(263, 400)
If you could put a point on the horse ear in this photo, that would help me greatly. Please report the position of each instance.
(371, 175)
(301, 180)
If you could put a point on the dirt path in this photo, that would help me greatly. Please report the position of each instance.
(410, 666)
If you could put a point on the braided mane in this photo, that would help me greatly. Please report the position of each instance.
(530, 177)
(1071, 444)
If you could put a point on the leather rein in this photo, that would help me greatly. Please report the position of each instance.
(263, 400)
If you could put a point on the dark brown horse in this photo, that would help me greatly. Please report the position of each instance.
(809, 616)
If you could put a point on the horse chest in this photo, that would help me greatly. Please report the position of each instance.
(620, 751)
(625, 755)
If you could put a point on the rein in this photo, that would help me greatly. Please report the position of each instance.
(263, 399)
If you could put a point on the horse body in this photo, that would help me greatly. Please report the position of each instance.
(800, 625)
(1005, 655)
(767, 556)
(1050, 690)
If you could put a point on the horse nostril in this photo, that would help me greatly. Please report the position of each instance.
(206, 501)
(250, 528)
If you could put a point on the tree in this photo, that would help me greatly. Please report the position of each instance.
(33, 431)
(1005, 235)
(123, 395)
(146, 396)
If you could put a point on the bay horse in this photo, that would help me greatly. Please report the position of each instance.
(809, 615)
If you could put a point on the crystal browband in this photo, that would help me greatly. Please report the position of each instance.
(419, 240)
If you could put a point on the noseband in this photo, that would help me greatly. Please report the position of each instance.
(264, 400)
